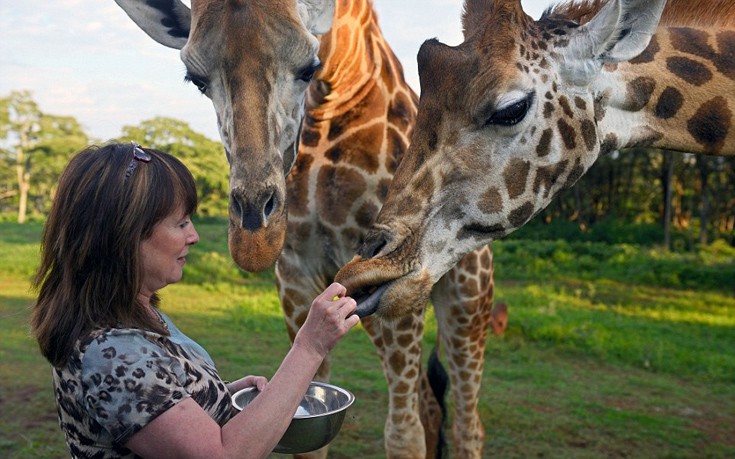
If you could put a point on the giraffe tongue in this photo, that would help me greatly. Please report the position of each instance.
(367, 304)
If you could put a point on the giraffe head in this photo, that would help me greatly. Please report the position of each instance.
(506, 120)
(254, 59)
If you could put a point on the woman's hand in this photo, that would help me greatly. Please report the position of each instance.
(329, 319)
(248, 381)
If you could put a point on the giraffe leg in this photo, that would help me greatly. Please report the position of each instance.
(399, 347)
(432, 390)
(463, 301)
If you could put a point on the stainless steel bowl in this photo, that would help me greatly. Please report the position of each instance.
(317, 420)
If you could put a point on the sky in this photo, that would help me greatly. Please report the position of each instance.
(87, 59)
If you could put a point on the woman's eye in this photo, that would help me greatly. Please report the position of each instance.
(512, 114)
(200, 83)
(307, 74)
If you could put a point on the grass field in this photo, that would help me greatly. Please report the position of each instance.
(612, 350)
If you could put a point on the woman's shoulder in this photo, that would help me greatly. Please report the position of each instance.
(127, 344)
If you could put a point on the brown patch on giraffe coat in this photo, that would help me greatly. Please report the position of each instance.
(724, 61)
(589, 134)
(691, 41)
(401, 112)
(546, 177)
(491, 202)
(696, 42)
(575, 174)
(544, 144)
(669, 103)
(382, 190)
(298, 189)
(638, 93)
(357, 149)
(396, 147)
(310, 136)
(564, 102)
(609, 145)
(365, 215)
(338, 189)
(567, 134)
(689, 70)
(548, 109)
(648, 54)
(710, 124)
(516, 176)
(520, 215)
(580, 103)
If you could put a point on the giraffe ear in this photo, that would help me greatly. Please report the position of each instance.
(166, 22)
(620, 31)
(317, 15)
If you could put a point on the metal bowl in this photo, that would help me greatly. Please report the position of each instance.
(317, 420)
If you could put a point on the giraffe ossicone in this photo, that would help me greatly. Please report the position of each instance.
(522, 109)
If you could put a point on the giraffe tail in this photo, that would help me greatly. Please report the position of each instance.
(439, 382)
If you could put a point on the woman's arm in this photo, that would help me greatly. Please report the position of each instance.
(187, 431)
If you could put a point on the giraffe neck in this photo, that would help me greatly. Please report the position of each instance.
(352, 59)
(679, 94)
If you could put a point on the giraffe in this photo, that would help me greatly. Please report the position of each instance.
(360, 113)
(254, 59)
(522, 108)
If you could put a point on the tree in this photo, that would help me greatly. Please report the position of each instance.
(204, 157)
(36, 146)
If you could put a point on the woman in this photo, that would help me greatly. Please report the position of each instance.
(127, 381)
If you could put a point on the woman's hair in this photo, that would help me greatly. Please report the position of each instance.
(108, 201)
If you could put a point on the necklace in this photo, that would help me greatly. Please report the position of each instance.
(160, 319)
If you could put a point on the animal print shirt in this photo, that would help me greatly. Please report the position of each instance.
(119, 379)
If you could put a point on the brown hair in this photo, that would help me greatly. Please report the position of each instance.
(90, 271)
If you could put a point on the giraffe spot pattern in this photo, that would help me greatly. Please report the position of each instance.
(520, 215)
(544, 145)
(491, 201)
(515, 176)
(548, 109)
(564, 102)
(298, 189)
(638, 94)
(696, 42)
(353, 149)
(609, 145)
(710, 124)
(580, 103)
(669, 103)
(339, 188)
(689, 70)
(546, 177)
(568, 135)
(589, 134)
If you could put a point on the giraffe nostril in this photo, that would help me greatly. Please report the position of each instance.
(254, 212)
(270, 206)
(374, 243)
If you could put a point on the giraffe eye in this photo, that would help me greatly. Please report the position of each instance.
(307, 73)
(512, 114)
(199, 82)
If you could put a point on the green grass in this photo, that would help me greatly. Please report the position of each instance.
(612, 350)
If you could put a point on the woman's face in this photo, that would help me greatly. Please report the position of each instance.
(164, 253)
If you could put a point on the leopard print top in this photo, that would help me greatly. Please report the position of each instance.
(118, 380)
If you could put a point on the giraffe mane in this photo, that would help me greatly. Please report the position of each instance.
(676, 12)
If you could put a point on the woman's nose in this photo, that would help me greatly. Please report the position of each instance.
(194, 236)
